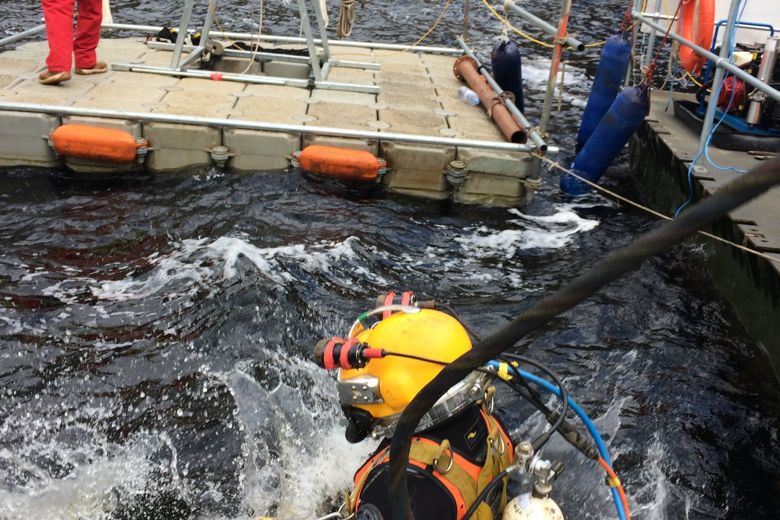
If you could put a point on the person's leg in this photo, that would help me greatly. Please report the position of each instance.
(58, 15)
(88, 20)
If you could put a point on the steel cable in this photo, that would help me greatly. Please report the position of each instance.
(615, 265)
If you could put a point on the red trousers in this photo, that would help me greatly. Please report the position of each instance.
(59, 29)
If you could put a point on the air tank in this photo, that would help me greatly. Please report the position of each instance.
(606, 85)
(529, 507)
(507, 67)
(613, 132)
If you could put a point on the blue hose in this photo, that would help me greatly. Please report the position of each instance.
(591, 427)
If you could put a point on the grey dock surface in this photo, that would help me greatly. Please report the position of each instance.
(661, 153)
(418, 95)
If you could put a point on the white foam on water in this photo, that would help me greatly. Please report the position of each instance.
(309, 462)
(537, 71)
(101, 472)
(546, 232)
(199, 264)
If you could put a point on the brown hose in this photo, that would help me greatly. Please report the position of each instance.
(465, 69)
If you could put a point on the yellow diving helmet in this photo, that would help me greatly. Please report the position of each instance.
(382, 368)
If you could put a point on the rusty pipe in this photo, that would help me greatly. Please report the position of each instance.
(465, 69)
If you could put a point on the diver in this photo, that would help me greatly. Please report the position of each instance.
(460, 445)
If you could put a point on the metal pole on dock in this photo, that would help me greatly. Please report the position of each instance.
(466, 18)
(24, 34)
(560, 39)
(573, 42)
(651, 39)
(154, 117)
(717, 82)
(152, 29)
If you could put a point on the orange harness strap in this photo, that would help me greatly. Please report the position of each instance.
(462, 478)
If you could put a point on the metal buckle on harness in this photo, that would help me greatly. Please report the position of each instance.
(490, 397)
(445, 445)
(501, 442)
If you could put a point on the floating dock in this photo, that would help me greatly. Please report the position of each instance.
(244, 127)
(661, 153)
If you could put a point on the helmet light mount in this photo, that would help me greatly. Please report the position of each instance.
(337, 352)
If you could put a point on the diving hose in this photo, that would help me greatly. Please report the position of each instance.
(707, 211)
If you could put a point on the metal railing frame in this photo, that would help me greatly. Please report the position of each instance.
(24, 34)
(154, 117)
(179, 64)
(721, 62)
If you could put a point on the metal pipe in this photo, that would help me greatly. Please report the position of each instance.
(151, 29)
(151, 117)
(466, 71)
(184, 24)
(323, 36)
(466, 18)
(717, 82)
(510, 105)
(659, 16)
(563, 23)
(651, 39)
(232, 53)
(24, 34)
(765, 73)
(314, 60)
(573, 42)
(719, 62)
(246, 78)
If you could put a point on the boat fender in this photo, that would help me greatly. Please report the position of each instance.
(507, 64)
(696, 24)
(606, 85)
(97, 144)
(341, 163)
(613, 132)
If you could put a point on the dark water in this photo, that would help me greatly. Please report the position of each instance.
(154, 333)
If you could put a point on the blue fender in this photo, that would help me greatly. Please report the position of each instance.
(606, 85)
(613, 132)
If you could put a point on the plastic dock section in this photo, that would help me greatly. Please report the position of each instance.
(188, 122)
(661, 153)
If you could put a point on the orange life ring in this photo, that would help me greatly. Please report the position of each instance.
(697, 23)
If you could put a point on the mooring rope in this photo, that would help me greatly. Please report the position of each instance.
(346, 18)
(653, 212)
(615, 265)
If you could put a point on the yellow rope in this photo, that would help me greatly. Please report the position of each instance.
(606, 191)
(526, 35)
(695, 81)
(429, 31)
(515, 29)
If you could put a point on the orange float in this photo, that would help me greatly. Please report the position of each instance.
(341, 163)
(95, 143)
(697, 24)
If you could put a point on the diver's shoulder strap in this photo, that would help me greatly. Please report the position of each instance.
(463, 479)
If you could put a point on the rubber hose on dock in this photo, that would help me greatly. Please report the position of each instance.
(606, 85)
(613, 132)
